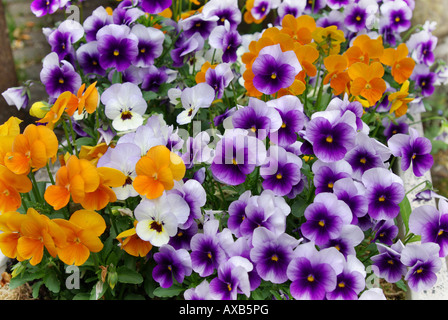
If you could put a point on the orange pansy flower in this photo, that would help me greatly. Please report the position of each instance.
(99, 198)
(400, 100)
(11, 185)
(156, 172)
(307, 55)
(329, 39)
(58, 108)
(32, 149)
(93, 153)
(39, 232)
(83, 230)
(75, 179)
(87, 100)
(337, 76)
(402, 65)
(300, 29)
(132, 244)
(367, 81)
(10, 223)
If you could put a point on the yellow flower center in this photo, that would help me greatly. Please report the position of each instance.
(273, 76)
(61, 81)
(397, 19)
(283, 125)
(330, 185)
(209, 255)
(321, 223)
(253, 129)
(329, 139)
(390, 261)
(229, 287)
(310, 278)
(381, 199)
(419, 270)
(142, 50)
(279, 176)
(363, 160)
(274, 258)
(116, 52)
(358, 18)
(341, 285)
(234, 162)
(440, 233)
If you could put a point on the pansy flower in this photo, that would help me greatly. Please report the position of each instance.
(331, 139)
(225, 10)
(325, 218)
(423, 263)
(58, 76)
(193, 99)
(326, 174)
(422, 45)
(226, 39)
(413, 149)
(62, 39)
(367, 81)
(384, 191)
(401, 65)
(424, 79)
(431, 224)
(117, 45)
(387, 263)
(233, 278)
(360, 15)
(171, 264)
(198, 23)
(313, 273)
(155, 6)
(124, 105)
(400, 100)
(150, 45)
(237, 154)
(274, 69)
(350, 282)
(257, 118)
(156, 172)
(83, 230)
(98, 19)
(41, 8)
(16, 96)
(132, 244)
(271, 254)
(158, 219)
(398, 13)
(281, 172)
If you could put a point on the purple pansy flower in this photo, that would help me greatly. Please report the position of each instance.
(292, 7)
(155, 6)
(398, 15)
(399, 125)
(432, 225)
(183, 237)
(89, 59)
(290, 110)
(198, 23)
(384, 191)
(257, 118)
(350, 282)
(150, 45)
(313, 273)
(126, 13)
(314, 6)
(387, 263)
(423, 262)
(98, 19)
(325, 218)
(338, 4)
(352, 193)
(350, 237)
(219, 78)
(331, 135)
(41, 8)
(171, 263)
(206, 253)
(326, 174)
(385, 231)
(59, 76)
(422, 45)
(360, 15)
(237, 213)
(225, 10)
(152, 78)
(237, 154)
(261, 8)
(16, 96)
(281, 172)
(272, 254)
(424, 79)
(226, 39)
(62, 39)
(266, 210)
(184, 47)
(232, 279)
(414, 150)
(117, 46)
(194, 194)
(332, 18)
(200, 292)
(274, 69)
(367, 153)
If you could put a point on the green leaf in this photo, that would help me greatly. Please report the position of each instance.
(167, 292)
(405, 211)
(126, 275)
(52, 282)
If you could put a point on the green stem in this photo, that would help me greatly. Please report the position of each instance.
(73, 136)
(67, 137)
(416, 187)
(112, 222)
(36, 192)
(50, 174)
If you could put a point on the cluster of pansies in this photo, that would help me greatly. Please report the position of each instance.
(213, 151)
